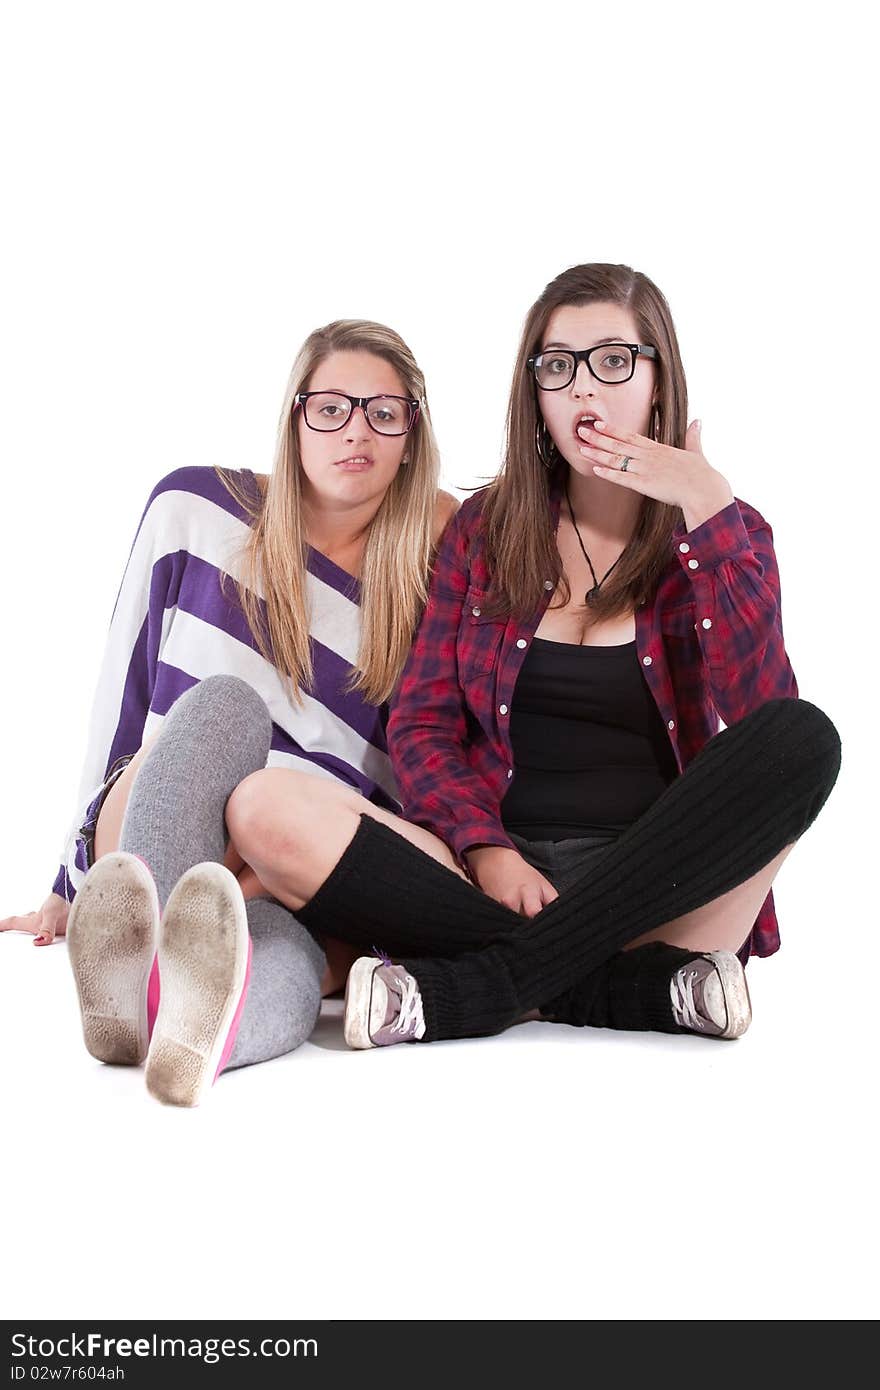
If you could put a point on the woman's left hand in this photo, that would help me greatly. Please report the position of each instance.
(679, 477)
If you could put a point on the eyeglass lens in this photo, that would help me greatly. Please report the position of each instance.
(610, 361)
(329, 411)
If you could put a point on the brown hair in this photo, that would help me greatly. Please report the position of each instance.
(516, 508)
(399, 548)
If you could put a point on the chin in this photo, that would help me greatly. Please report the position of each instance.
(581, 465)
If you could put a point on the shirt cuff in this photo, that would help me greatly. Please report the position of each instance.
(719, 537)
(62, 885)
(476, 837)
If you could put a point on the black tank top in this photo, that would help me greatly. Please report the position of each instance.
(590, 750)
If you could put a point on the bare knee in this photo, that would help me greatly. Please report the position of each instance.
(276, 810)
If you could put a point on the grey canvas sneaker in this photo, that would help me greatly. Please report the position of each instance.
(710, 996)
(382, 1004)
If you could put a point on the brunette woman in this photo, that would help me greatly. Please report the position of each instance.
(606, 850)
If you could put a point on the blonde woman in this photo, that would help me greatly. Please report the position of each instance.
(262, 622)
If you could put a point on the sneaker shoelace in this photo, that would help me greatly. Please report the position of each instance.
(684, 1005)
(410, 1014)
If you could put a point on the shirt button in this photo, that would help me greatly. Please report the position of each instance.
(521, 642)
(707, 622)
(509, 773)
(476, 612)
(672, 723)
(693, 564)
(684, 547)
(502, 709)
(646, 660)
(548, 584)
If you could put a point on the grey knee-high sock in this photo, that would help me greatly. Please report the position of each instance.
(284, 994)
(215, 735)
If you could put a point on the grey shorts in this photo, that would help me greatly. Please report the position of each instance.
(563, 862)
(87, 830)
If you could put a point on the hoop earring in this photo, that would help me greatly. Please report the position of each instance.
(548, 456)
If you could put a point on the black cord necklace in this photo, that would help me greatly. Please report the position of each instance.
(592, 594)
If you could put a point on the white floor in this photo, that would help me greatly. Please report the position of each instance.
(550, 1172)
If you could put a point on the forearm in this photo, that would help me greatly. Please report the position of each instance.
(442, 793)
(734, 579)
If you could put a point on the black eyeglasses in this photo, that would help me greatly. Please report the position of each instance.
(610, 363)
(331, 410)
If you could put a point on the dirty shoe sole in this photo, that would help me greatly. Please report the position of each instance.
(112, 932)
(204, 952)
(364, 1007)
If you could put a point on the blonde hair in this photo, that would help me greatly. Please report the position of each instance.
(399, 549)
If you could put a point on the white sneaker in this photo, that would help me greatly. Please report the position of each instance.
(709, 995)
(382, 1004)
(204, 967)
(112, 935)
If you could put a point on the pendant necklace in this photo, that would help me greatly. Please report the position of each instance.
(592, 594)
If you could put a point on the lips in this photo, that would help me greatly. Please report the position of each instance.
(580, 421)
(354, 461)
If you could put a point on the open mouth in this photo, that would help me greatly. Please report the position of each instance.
(582, 421)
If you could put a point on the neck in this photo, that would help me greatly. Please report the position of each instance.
(608, 512)
(336, 530)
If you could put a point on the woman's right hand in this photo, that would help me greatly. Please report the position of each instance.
(504, 875)
(45, 924)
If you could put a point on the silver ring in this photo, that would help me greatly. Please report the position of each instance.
(625, 464)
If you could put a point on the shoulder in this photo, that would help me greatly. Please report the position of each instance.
(468, 518)
(445, 507)
(223, 487)
(193, 510)
(460, 546)
(473, 505)
(188, 479)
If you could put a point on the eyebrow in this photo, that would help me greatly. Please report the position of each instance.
(598, 343)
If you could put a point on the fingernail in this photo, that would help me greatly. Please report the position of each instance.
(599, 424)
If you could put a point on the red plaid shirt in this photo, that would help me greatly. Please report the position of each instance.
(710, 643)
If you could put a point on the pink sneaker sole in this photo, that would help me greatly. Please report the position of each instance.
(204, 964)
(112, 933)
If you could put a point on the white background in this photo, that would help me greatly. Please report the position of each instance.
(190, 189)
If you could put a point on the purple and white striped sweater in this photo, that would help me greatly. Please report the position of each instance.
(171, 627)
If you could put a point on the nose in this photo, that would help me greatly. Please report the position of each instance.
(356, 426)
(582, 381)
